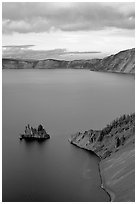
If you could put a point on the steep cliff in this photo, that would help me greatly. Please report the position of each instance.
(17, 64)
(82, 64)
(123, 62)
(114, 144)
(108, 140)
(47, 64)
(33, 64)
(51, 64)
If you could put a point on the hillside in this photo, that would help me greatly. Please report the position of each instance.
(114, 144)
(123, 62)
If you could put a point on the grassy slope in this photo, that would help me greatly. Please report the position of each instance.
(118, 174)
(117, 152)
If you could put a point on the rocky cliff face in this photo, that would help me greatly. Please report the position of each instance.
(115, 145)
(82, 64)
(108, 140)
(47, 64)
(33, 64)
(51, 64)
(17, 64)
(123, 62)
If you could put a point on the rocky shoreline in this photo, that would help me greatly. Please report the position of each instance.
(110, 193)
(114, 145)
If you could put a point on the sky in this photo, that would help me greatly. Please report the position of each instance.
(61, 30)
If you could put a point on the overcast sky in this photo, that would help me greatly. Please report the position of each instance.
(100, 27)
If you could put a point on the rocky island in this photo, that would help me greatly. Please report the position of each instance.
(115, 145)
(31, 133)
(122, 62)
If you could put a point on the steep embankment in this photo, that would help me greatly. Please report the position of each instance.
(33, 64)
(47, 64)
(123, 62)
(115, 146)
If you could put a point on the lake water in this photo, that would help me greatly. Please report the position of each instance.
(64, 101)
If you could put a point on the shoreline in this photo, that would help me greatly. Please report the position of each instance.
(111, 63)
(115, 146)
(102, 186)
(111, 72)
(116, 176)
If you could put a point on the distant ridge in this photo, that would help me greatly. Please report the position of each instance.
(122, 62)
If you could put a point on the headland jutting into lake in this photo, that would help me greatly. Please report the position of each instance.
(115, 146)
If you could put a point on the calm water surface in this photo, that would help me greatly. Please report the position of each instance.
(64, 101)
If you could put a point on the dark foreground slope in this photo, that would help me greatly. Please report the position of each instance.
(123, 62)
(115, 146)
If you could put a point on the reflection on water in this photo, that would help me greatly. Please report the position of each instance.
(31, 142)
(64, 101)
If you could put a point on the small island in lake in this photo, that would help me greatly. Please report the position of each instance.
(31, 133)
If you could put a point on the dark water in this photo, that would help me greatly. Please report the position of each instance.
(64, 101)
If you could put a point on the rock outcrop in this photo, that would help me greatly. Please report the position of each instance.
(108, 140)
(123, 62)
(114, 144)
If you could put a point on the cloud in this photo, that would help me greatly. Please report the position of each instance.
(23, 51)
(45, 17)
(17, 46)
